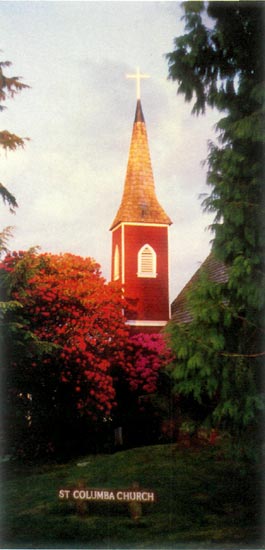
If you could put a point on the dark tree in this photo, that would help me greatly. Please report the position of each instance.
(219, 63)
(9, 87)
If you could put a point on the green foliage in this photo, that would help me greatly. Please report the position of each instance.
(216, 363)
(214, 60)
(8, 198)
(219, 62)
(9, 87)
(223, 66)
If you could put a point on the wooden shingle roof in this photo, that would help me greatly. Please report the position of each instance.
(216, 271)
(139, 203)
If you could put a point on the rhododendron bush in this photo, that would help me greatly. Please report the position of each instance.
(146, 355)
(143, 393)
(67, 304)
(72, 369)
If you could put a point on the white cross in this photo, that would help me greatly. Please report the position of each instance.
(138, 77)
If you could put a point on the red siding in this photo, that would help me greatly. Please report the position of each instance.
(151, 294)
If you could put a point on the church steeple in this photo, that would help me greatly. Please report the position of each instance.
(139, 202)
(140, 236)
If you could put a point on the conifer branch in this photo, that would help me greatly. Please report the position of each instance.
(8, 198)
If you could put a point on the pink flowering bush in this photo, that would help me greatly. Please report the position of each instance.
(146, 355)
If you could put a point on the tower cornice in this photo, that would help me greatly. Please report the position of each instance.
(140, 224)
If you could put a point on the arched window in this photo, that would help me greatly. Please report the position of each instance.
(116, 271)
(146, 262)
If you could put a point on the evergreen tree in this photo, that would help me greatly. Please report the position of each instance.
(219, 63)
(9, 87)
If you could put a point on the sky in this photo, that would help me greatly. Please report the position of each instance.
(79, 113)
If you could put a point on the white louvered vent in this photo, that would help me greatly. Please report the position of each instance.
(146, 262)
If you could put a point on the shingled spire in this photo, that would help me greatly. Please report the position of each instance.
(140, 259)
(139, 202)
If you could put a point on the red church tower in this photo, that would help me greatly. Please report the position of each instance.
(140, 237)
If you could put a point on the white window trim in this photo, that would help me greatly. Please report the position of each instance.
(143, 273)
(143, 323)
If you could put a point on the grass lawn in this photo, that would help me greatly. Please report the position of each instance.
(203, 501)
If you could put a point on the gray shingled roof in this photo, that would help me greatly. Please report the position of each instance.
(216, 271)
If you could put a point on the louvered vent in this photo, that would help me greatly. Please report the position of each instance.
(146, 262)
